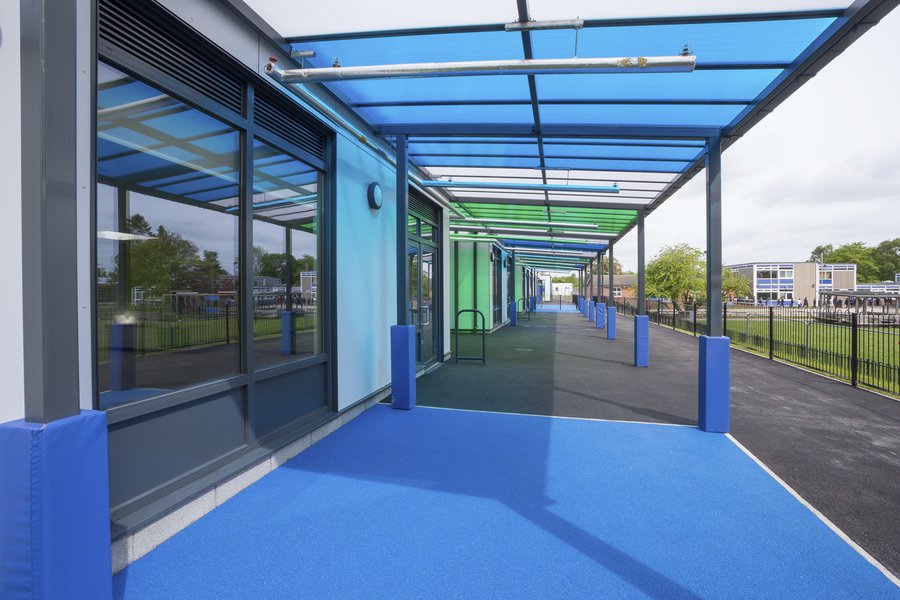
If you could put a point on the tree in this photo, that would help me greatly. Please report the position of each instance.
(677, 273)
(573, 279)
(820, 253)
(859, 254)
(617, 268)
(887, 259)
(163, 264)
(735, 285)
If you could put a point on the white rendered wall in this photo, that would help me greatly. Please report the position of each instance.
(366, 304)
(12, 405)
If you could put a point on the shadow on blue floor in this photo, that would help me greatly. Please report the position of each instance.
(434, 503)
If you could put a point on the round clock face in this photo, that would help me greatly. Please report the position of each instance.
(374, 194)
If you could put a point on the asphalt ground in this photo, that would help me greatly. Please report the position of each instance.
(837, 446)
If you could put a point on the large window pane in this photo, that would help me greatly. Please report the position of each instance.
(286, 307)
(167, 233)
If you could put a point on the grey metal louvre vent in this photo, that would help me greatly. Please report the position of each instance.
(423, 208)
(284, 119)
(146, 32)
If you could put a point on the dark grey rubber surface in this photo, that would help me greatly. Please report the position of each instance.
(837, 446)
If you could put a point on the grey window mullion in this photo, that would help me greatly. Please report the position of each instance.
(245, 257)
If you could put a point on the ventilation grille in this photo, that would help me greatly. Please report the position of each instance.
(144, 31)
(423, 208)
(286, 120)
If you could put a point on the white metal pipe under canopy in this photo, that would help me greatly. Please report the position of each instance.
(534, 66)
(507, 185)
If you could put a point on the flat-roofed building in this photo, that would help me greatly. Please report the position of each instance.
(795, 280)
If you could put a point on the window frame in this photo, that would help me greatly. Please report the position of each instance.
(248, 130)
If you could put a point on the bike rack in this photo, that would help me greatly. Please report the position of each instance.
(483, 357)
(525, 310)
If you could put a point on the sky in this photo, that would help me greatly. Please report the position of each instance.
(823, 168)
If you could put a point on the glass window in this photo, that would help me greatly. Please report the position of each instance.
(617, 292)
(286, 307)
(786, 274)
(167, 239)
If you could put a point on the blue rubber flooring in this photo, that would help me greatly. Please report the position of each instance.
(435, 503)
(556, 308)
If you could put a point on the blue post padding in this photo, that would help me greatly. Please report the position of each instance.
(288, 343)
(641, 341)
(592, 310)
(513, 316)
(610, 322)
(403, 366)
(54, 509)
(600, 320)
(715, 384)
(121, 356)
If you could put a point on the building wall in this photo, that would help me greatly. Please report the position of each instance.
(806, 277)
(366, 304)
(844, 280)
(466, 279)
(12, 404)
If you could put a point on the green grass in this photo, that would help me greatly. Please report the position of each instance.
(799, 338)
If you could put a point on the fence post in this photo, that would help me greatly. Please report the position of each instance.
(658, 312)
(725, 319)
(695, 319)
(854, 348)
(227, 325)
(673, 314)
(771, 331)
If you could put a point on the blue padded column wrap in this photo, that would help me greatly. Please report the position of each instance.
(54, 509)
(122, 356)
(513, 314)
(715, 384)
(592, 310)
(641, 341)
(600, 321)
(403, 366)
(288, 340)
(610, 322)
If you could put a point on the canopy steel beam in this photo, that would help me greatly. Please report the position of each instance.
(653, 132)
(402, 229)
(641, 278)
(714, 238)
(534, 66)
(503, 185)
(513, 232)
(616, 22)
(513, 239)
(593, 203)
(588, 226)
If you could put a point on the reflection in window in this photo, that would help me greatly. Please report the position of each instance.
(167, 238)
(286, 307)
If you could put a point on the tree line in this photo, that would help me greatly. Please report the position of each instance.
(165, 262)
(678, 273)
(874, 264)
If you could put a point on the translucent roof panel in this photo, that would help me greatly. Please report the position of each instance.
(510, 114)
(633, 166)
(734, 85)
(446, 90)
(776, 41)
(690, 115)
